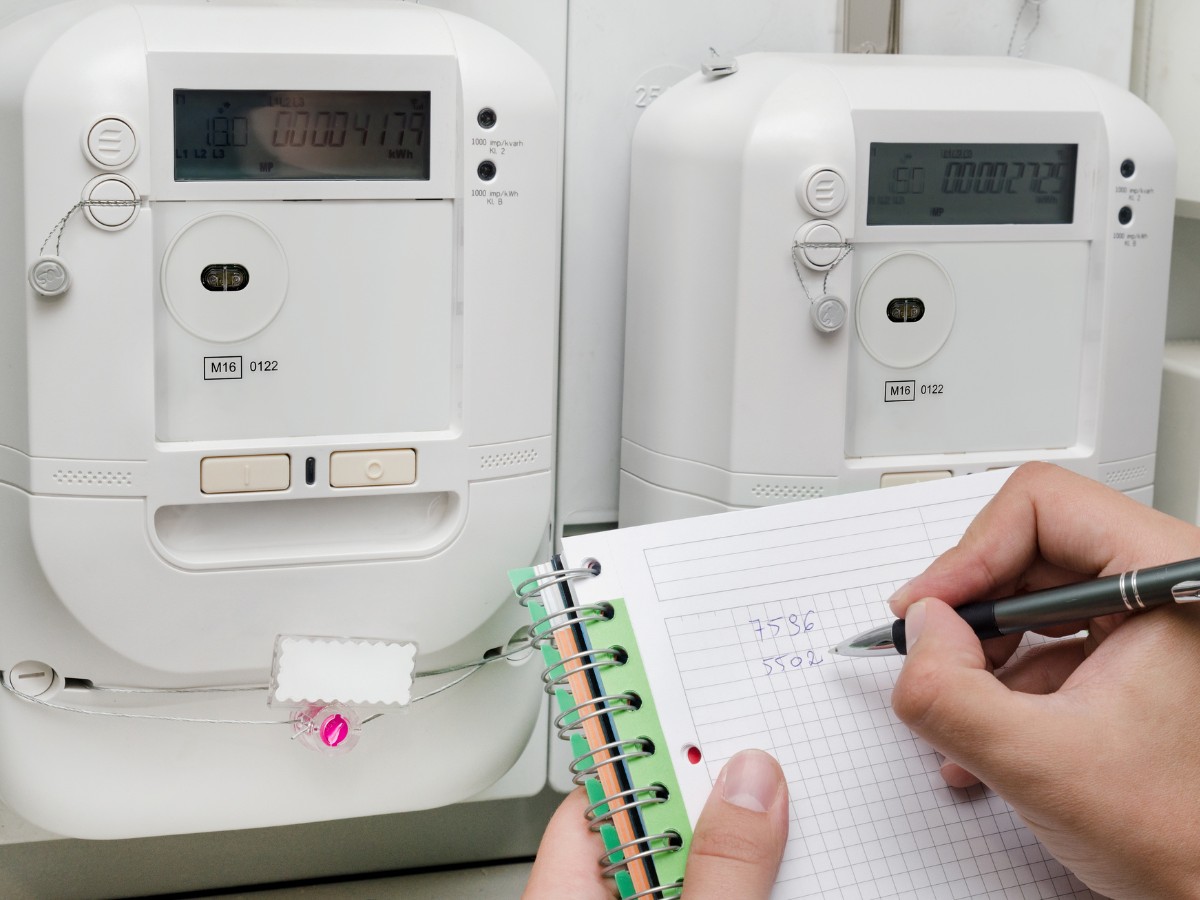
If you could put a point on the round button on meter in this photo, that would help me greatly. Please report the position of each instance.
(111, 143)
(822, 191)
(818, 245)
(110, 202)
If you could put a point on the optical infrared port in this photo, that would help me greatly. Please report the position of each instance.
(224, 277)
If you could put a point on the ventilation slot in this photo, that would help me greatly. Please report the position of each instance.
(510, 459)
(787, 491)
(1134, 475)
(92, 477)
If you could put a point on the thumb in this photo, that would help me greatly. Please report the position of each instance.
(947, 694)
(741, 832)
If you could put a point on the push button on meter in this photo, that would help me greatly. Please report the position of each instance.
(895, 479)
(111, 202)
(111, 143)
(818, 245)
(824, 192)
(242, 474)
(370, 468)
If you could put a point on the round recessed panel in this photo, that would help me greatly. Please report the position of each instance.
(905, 310)
(219, 309)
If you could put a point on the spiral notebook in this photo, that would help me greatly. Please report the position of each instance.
(670, 647)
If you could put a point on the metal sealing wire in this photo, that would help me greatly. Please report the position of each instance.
(843, 247)
(214, 689)
(571, 615)
(631, 701)
(548, 579)
(61, 225)
(580, 772)
(674, 843)
(113, 714)
(657, 794)
(88, 687)
(597, 658)
(1037, 20)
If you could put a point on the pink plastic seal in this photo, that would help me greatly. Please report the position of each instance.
(332, 729)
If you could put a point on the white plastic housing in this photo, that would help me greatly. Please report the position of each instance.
(380, 315)
(1040, 342)
(1177, 484)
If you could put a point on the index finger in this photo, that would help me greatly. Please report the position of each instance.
(567, 862)
(1045, 527)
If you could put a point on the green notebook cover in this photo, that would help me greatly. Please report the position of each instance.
(653, 771)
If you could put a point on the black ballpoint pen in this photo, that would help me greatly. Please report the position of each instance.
(1177, 582)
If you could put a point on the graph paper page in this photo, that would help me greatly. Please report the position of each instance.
(734, 615)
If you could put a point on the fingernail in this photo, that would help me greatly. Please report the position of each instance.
(914, 622)
(894, 600)
(751, 780)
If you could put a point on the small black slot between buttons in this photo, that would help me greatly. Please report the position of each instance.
(310, 470)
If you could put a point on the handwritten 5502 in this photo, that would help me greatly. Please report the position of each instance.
(789, 662)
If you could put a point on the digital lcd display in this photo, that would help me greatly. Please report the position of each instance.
(301, 135)
(971, 184)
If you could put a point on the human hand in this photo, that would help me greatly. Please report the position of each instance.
(1093, 741)
(736, 847)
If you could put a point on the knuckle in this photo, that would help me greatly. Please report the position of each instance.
(915, 699)
(727, 844)
(1034, 472)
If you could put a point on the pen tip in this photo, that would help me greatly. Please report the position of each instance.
(876, 642)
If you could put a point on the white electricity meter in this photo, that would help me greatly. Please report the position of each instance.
(277, 328)
(852, 271)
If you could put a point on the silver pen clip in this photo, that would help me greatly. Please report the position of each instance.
(1186, 592)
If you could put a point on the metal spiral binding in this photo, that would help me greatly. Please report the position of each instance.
(572, 615)
(586, 765)
(581, 769)
(672, 844)
(604, 704)
(657, 794)
(594, 658)
(595, 612)
(547, 579)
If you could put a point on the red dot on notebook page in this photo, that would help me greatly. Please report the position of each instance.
(693, 755)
